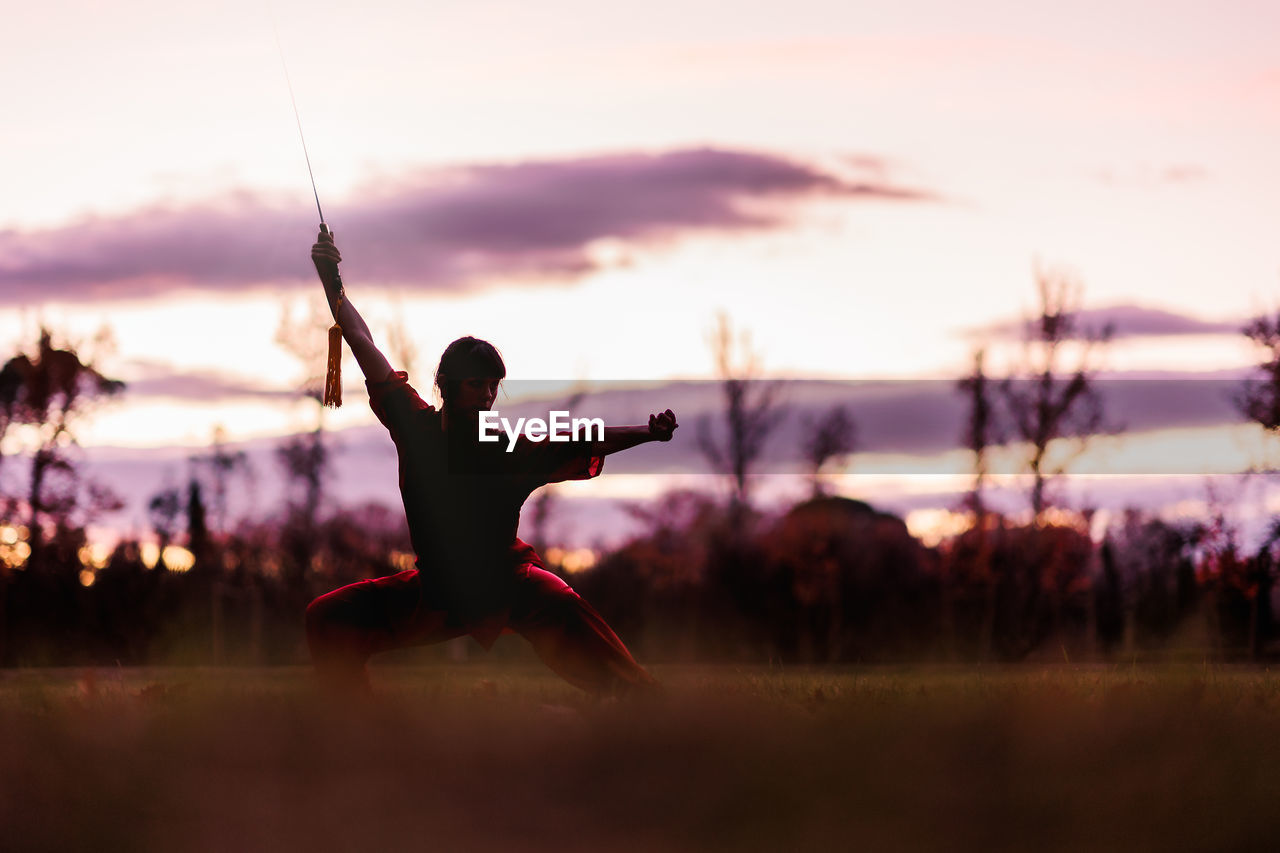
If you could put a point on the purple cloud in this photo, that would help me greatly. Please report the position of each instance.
(906, 416)
(436, 229)
(203, 386)
(1128, 321)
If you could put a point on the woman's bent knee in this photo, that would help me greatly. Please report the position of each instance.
(334, 624)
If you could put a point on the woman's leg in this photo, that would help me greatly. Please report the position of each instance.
(346, 626)
(571, 637)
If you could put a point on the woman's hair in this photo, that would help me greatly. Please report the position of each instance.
(467, 358)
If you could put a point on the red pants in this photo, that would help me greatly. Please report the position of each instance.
(346, 626)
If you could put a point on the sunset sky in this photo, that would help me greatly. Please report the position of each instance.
(864, 186)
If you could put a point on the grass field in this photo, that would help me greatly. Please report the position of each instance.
(474, 757)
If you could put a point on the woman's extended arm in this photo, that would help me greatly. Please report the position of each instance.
(325, 255)
(660, 428)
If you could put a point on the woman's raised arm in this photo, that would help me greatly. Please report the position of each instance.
(325, 255)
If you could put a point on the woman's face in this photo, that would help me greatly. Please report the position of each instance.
(476, 395)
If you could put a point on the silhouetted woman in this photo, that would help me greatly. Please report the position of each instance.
(462, 499)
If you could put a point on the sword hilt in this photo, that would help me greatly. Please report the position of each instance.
(337, 277)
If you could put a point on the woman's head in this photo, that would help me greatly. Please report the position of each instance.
(468, 375)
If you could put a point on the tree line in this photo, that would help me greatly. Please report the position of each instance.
(829, 579)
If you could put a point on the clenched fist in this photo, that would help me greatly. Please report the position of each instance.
(662, 425)
(326, 257)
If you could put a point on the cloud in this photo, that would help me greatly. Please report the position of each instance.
(203, 387)
(910, 418)
(1127, 321)
(434, 229)
(907, 417)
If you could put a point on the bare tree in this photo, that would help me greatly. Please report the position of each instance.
(829, 438)
(305, 458)
(1045, 400)
(980, 432)
(1259, 399)
(12, 380)
(163, 510)
(305, 339)
(222, 463)
(400, 345)
(50, 392)
(751, 412)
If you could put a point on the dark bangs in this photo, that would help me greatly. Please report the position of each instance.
(468, 358)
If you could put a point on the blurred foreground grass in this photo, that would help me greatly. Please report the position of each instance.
(473, 757)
